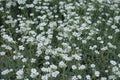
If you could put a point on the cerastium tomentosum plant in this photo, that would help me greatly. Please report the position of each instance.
(59, 39)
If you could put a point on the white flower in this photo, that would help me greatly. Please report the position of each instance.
(112, 77)
(113, 62)
(117, 30)
(101, 42)
(115, 69)
(47, 63)
(21, 1)
(94, 46)
(103, 78)
(41, 26)
(62, 64)
(111, 46)
(34, 73)
(46, 69)
(19, 74)
(97, 52)
(24, 60)
(6, 71)
(76, 56)
(110, 37)
(1, 8)
(100, 1)
(21, 47)
(113, 27)
(81, 67)
(6, 47)
(104, 48)
(119, 55)
(52, 24)
(47, 57)
(90, 47)
(117, 18)
(84, 41)
(30, 39)
(97, 73)
(74, 78)
(33, 60)
(88, 77)
(2, 53)
(8, 38)
(66, 58)
(106, 71)
(54, 74)
(29, 5)
(39, 52)
(74, 67)
(53, 66)
(92, 65)
(26, 79)
(79, 76)
(35, 1)
(45, 77)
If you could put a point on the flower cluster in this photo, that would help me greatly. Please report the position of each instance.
(59, 39)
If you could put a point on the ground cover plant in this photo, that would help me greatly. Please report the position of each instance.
(59, 39)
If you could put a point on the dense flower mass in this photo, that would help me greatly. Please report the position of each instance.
(59, 39)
